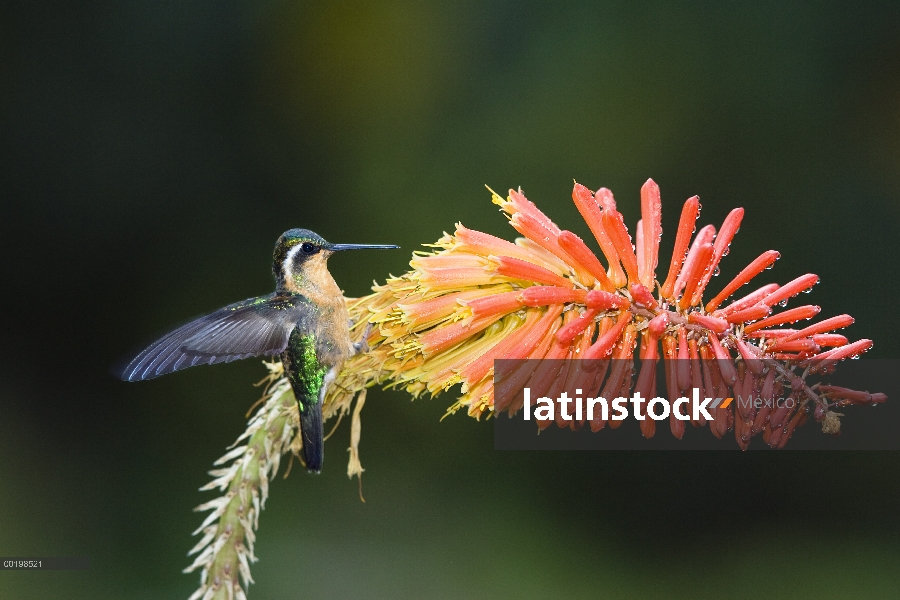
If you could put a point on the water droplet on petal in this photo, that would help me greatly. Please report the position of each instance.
(717, 271)
(783, 303)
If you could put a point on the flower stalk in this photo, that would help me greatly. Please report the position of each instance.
(225, 550)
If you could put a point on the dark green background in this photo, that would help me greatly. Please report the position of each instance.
(151, 153)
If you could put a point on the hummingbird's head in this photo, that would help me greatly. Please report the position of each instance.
(301, 256)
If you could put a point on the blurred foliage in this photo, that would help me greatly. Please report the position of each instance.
(152, 152)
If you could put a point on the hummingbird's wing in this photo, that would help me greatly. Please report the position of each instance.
(254, 327)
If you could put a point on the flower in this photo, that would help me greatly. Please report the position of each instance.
(475, 298)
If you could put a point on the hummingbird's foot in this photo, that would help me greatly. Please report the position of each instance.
(362, 345)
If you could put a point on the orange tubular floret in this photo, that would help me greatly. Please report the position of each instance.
(441, 338)
(698, 264)
(789, 316)
(751, 359)
(838, 322)
(440, 279)
(510, 347)
(570, 330)
(523, 205)
(821, 361)
(614, 223)
(651, 216)
(646, 380)
(704, 236)
(484, 244)
(641, 295)
(495, 305)
(763, 262)
(834, 391)
(522, 269)
(804, 345)
(791, 289)
(749, 300)
(605, 300)
(580, 254)
(711, 323)
(770, 334)
(657, 324)
(830, 340)
(605, 199)
(639, 244)
(726, 365)
(726, 233)
(532, 229)
(518, 345)
(746, 315)
(444, 261)
(621, 369)
(683, 366)
(670, 353)
(541, 295)
(533, 345)
(696, 372)
(437, 308)
(685, 230)
(605, 342)
(593, 216)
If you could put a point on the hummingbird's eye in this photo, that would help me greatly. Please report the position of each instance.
(309, 248)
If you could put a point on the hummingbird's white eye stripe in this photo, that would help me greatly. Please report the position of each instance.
(286, 266)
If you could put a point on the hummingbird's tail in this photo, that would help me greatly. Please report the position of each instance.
(311, 429)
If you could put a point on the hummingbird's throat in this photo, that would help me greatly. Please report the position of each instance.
(312, 279)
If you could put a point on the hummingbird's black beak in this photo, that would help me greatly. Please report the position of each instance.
(339, 247)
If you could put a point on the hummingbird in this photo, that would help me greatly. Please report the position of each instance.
(304, 321)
